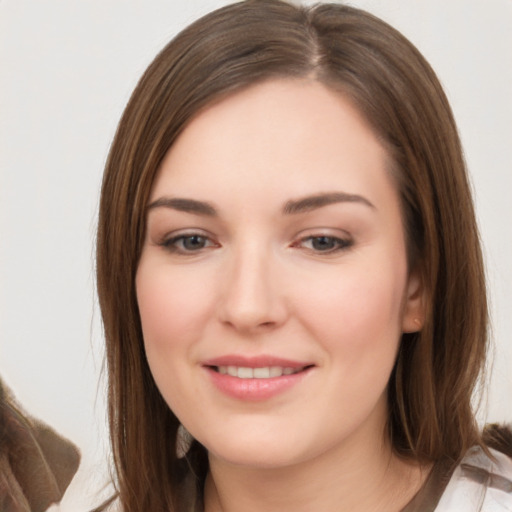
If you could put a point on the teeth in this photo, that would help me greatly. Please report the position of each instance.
(265, 372)
(261, 373)
(276, 371)
(245, 373)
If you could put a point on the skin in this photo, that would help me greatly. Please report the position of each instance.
(327, 285)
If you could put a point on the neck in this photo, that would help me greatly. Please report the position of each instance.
(350, 478)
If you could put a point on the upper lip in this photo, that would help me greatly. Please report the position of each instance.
(254, 361)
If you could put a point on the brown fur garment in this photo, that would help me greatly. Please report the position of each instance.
(36, 464)
(499, 437)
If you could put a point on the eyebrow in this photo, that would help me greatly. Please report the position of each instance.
(292, 207)
(308, 203)
(185, 205)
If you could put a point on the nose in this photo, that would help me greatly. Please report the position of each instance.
(253, 300)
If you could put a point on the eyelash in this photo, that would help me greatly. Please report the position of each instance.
(176, 244)
(340, 244)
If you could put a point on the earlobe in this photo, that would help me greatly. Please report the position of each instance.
(413, 316)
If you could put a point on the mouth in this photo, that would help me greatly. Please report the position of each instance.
(262, 372)
(257, 378)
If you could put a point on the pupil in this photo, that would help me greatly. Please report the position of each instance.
(193, 242)
(323, 243)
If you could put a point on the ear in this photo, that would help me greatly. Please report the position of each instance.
(413, 316)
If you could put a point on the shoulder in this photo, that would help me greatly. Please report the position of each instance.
(481, 482)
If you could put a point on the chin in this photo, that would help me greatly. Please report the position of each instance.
(259, 450)
(255, 457)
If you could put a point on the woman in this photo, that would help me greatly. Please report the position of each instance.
(294, 308)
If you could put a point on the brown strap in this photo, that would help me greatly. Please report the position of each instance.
(427, 498)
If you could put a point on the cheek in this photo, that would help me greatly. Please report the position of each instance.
(174, 309)
(356, 312)
(173, 306)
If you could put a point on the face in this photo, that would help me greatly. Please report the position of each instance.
(273, 285)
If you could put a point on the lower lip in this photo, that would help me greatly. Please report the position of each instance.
(255, 389)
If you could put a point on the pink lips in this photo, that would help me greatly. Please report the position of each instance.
(279, 375)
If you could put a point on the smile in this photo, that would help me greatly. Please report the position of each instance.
(255, 378)
(264, 372)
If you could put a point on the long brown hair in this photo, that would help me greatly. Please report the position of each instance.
(349, 50)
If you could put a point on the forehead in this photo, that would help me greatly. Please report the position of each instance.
(290, 135)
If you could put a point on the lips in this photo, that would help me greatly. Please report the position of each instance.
(255, 378)
(264, 372)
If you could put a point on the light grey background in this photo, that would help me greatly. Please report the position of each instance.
(67, 70)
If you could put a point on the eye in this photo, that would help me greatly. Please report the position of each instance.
(324, 244)
(188, 243)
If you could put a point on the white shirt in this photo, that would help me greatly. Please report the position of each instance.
(479, 484)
